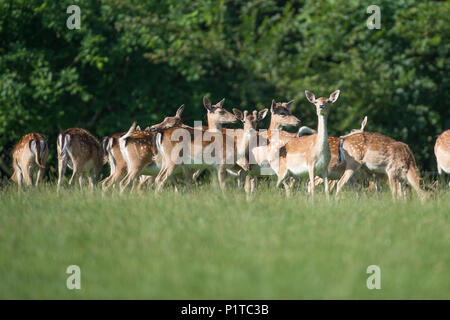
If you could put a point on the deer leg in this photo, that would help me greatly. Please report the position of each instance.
(163, 175)
(129, 178)
(39, 176)
(253, 184)
(325, 184)
(80, 181)
(19, 176)
(74, 174)
(311, 179)
(413, 180)
(222, 177)
(113, 179)
(27, 174)
(91, 179)
(332, 184)
(62, 165)
(247, 186)
(392, 184)
(343, 180)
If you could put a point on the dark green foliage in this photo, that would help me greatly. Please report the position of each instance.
(143, 59)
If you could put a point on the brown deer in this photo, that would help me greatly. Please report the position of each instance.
(212, 149)
(442, 152)
(382, 155)
(29, 153)
(271, 141)
(336, 167)
(82, 152)
(113, 155)
(308, 154)
(136, 160)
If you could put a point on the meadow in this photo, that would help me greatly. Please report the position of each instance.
(205, 244)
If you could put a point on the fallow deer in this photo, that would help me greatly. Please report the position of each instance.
(29, 153)
(336, 167)
(81, 151)
(308, 154)
(379, 154)
(138, 149)
(113, 155)
(250, 122)
(197, 144)
(260, 156)
(442, 152)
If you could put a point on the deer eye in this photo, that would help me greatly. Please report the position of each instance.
(221, 112)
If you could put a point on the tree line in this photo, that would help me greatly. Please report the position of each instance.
(140, 60)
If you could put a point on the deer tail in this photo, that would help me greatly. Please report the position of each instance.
(38, 147)
(341, 153)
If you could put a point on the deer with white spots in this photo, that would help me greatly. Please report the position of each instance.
(382, 155)
(82, 152)
(214, 149)
(29, 153)
(308, 155)
(336, 167)
(260, 156)
(138, 149)
(442, 152)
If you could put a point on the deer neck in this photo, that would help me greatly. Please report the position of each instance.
(273, 127)
(322, 134)
(214, 125)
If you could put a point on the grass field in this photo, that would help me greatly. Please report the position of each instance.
(202, 244)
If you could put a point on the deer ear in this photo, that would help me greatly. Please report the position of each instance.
(147, 129)
(334, 96)
(207, 103)
(221, 102)
(272, 107)
(238, 114)
(363, 124)
(138, 128)
(179, 111)
(310, 96)
(262, 114)
(289, 104)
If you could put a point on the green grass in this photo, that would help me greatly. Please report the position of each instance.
(202, 244)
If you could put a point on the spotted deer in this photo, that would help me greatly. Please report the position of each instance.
(29, 153)
(213, 149)
(379, 154)
(81, 151)
(113, 155)
(308, 154)
(136, 159)
(336, 166)
(442, 152)
(270, 142)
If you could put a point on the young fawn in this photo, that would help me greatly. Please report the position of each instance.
(382, 155)
(82, 152)
(29, 153)
(132, 148)
(210, 149)
(271, 141)
(309, 154)
(113, 155)
(442, 152)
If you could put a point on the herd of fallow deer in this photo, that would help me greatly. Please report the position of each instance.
(171, 150)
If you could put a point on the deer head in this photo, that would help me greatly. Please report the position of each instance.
(169, 122)
(216, 114)
(282, 116)
(250, 120)
(322, 104)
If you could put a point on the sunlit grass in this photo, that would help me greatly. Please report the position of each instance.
(203, 244)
